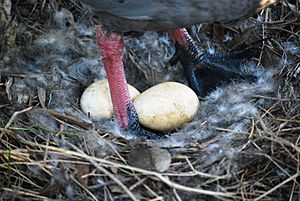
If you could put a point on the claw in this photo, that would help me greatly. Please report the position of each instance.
(205, 72)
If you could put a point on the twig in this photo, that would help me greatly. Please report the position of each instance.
(278, 186)
(14, 116)
(285, 142)
(84, 188)
(100, 168)
(24, 193)
(171, 184)
(202, 173)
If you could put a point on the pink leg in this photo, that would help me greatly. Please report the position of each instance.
(180, 36)
(111, 46)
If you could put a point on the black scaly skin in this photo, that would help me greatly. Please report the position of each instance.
(214, 70)
(135, 128)
(206, 71)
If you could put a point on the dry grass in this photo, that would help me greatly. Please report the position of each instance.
(41, 164)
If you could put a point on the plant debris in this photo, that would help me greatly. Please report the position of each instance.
(242, 145)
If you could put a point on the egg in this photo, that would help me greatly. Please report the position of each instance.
(166, 106)
(96, 100)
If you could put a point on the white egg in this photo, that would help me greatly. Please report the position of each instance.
(166, 106)
(96, 100)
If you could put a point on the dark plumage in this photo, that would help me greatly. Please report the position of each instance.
(144, 15)
(121, 16)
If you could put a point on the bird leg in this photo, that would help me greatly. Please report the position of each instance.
(188, 54)
(206, 71)
(111, 46)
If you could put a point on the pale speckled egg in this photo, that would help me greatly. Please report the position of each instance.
(166, 106)
(96, 100)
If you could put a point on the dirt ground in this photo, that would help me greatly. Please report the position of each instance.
(242, 145)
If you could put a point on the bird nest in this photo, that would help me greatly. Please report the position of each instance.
(242, 145)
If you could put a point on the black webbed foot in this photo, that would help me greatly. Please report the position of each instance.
(189, 58)
(136, 129)
(206, 71)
